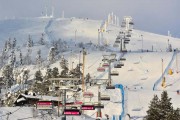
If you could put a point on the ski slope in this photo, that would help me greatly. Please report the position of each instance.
(140, 72)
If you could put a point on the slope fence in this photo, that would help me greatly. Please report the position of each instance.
(122, 115)
(165, 71)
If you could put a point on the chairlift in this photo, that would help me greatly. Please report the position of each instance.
(122, 59)
(110, 87)
(117, 41)
(125, 42)
(117, 66)
(121, 63)
(105, 98)
(123, 26)
(131, 23)
(113, 54)
(100, 69)
(114, 73)
(105, 65)
(128, 35)
(125, 50)
(115, 45)
(126, 39)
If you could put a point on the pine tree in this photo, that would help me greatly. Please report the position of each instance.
(42, 40)
(26, 75)
(64, 66)
(51, 55)
(38, 58)
(166, 107)
(38, 76)
(29, 42)
(21, 58)
(55, 72)
(48, 73)
(7, 73)
(162, 109)
(14, 43)
(153, 112)
(9, 46)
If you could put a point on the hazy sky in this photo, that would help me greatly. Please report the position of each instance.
(156, 16)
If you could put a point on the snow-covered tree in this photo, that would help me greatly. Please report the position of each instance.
(7, 73)
(14, 43)
(26, 75)
(162, 109)
(55, 72)
(154, 109)
(27, 58)
(21, 58)
(38, 76)
(12, 58)
(48, 73)
(9, 45)
(41, 41)
(51, 55)
(29, 42)
(64, 66)
(38, 58)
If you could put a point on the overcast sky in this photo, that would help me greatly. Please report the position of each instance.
(156, 16)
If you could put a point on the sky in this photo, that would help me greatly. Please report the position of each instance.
(157, 16)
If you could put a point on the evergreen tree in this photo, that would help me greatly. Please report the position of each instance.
(162, 109)
(55, 72)
(14, 43)
(51, 55)
(21, 58)
(64, 66)
(38, 76)
(42, 42)
(48, 73)
(166, 107)
(9, 46)
(38, 58)
(29, 42)
(7, 73)
(153, 112)
(26, 75)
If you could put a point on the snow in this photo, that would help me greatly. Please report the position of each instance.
(140, 72)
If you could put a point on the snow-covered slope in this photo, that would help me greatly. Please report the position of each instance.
(141, 71)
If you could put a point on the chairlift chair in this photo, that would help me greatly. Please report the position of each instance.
(122, 59)
(128, 35)
(115, 45)
(110, 87)
(123, 26)
(125, 42)
(100, 69)
(125, 50)
(105, 98)
(105, 65)
(131, 23)
(117, 41)
(126, 39)
(114, 73)
(117, 66)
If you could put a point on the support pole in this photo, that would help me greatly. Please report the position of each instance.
(83, 85)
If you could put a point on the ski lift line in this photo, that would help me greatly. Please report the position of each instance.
(10, 113)
(165, 71)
